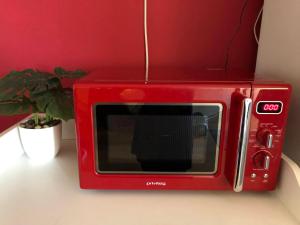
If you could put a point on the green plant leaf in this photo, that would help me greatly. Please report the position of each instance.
(12, 86)
(39, 82)
(36, 82)
(9, 108)
(42, 100)
(15, 108)
(34, 91)
(54, 83)
(56, 103)
(61, 107)
(60, 72)
(28, 71)
(78, 73)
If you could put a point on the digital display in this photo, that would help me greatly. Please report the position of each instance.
(271, 107)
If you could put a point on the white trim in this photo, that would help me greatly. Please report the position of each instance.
(146, 43)
(217, 155)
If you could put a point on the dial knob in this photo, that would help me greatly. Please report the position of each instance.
(265, 138)
(262, 161)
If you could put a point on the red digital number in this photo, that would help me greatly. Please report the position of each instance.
(266, 107)
(275, 107)
(271, 107)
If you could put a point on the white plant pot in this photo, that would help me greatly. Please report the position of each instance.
(41, 144)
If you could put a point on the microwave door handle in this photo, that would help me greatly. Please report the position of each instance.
(242, 144)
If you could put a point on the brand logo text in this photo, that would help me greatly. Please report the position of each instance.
(156, 183)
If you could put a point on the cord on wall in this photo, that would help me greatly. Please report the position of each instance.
(237, 30)
(146, 43)
(228, 47)
(255, 24)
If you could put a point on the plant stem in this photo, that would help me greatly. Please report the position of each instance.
(36, 119)
(48, 118)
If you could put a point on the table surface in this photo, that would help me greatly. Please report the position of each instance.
(49, 194)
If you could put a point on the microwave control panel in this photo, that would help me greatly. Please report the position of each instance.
(266, 136)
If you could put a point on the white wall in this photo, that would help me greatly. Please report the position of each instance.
(68, 130)
(279, 57)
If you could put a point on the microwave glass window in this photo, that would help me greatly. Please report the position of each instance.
(143, 138)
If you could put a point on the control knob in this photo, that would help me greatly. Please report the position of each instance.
(265, 138)
(262, 160)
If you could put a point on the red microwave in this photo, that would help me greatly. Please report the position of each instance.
(217, 133)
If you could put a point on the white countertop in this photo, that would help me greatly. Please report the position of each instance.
(49, 194)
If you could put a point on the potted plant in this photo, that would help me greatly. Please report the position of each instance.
(43, 95)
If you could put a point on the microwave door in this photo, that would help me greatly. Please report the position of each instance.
(157, 139)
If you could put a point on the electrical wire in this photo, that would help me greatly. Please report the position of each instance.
(146, 43)
(237, 30)
(229, 45)
(255, 24)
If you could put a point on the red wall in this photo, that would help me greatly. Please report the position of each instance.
(8, 121)
(89, 34)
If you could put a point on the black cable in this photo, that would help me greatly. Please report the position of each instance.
(235, 34)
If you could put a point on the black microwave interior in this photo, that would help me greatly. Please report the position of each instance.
(157, 138)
